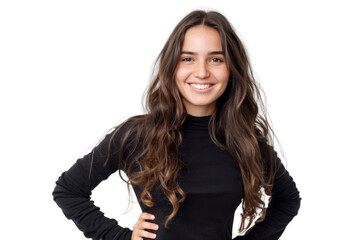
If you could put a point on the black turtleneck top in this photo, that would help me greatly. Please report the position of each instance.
(211, 180)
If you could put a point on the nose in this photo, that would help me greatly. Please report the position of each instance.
(202, 70)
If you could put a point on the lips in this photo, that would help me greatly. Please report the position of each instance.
(201, 87)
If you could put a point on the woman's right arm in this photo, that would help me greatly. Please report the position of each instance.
(73, 189)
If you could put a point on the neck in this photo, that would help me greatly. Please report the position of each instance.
(200, 111)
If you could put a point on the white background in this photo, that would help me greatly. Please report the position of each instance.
(71, 70)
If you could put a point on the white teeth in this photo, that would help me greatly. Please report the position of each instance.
(201, 86)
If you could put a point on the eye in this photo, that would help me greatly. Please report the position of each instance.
(216, 59)
(186, 59)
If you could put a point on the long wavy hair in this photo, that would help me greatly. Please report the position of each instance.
(237, 126)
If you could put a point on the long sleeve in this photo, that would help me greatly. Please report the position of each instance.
(73, 190)
(282, 208)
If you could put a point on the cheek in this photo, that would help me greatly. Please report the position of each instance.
(222, 75)
(179, 80)
(181, 75)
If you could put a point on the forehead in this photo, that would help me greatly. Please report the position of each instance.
(202, 38)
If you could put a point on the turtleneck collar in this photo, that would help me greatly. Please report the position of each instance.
(197, 123)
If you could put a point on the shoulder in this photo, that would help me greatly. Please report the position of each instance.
(121, 138)
(128, 129)
(269, 155)
(265, 148)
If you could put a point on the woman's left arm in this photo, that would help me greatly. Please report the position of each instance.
(283, 207)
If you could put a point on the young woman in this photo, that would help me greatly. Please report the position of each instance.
(201, 149)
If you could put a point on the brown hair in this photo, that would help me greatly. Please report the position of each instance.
(236, 126)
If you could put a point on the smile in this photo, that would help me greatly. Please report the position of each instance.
(200, 86)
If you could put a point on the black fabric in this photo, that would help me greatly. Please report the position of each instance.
(211, 179)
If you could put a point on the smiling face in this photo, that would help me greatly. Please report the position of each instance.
(201, 74)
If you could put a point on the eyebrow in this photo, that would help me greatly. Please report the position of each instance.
(209, 53)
